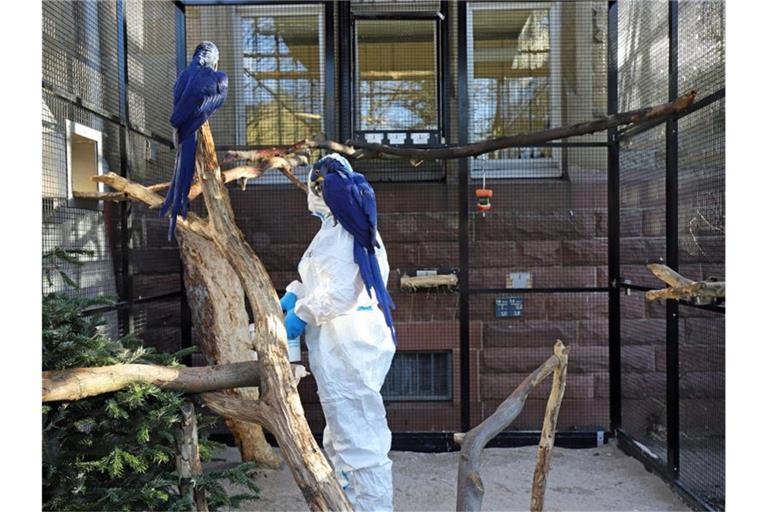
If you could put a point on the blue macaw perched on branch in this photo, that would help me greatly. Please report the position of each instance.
(198, 92)
(352, 202)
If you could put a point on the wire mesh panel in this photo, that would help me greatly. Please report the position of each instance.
(508, 343)
(151, 54)
(702, 404)
(643, 200)
(643, 63)
(701, 230)
(702, 46)
(80, 50)
(532, 67)
(70, 224)
(643, 374)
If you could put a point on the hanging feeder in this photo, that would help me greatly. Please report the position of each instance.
(483, 196)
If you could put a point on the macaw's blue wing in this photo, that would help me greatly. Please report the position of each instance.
(198, 92)
(353, 204)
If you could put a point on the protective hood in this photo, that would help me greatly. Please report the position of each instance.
(316, 204)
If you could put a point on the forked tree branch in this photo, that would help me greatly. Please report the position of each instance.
(681, 287)
(470, 490)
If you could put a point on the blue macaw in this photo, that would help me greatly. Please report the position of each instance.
(352, 202)
(198, 92)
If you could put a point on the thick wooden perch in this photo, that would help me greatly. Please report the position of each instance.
(681, 287)
(547, 441)
(80, 383)
(416, 282)
(469, 490)
(279, 404)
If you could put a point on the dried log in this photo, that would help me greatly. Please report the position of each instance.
(681, 287)
(486, 146)
(415, 282)
(279, 408)
(188, 462)
(547, 441)
(216, 301)
(469, 489)
(79, 383)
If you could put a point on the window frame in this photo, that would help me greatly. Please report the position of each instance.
(276, 9)
(437, 135)
(449, 375)
(522, 168)
(92, 134)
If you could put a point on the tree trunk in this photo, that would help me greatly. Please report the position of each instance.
(217, 302)
(280, 406)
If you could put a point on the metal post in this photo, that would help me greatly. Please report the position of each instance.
(463, 188)
(345, 70)
(125, 287)
(614, 266)
(444, 73)
(673, 388)
(330, 74)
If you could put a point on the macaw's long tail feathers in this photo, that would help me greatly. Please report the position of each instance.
(370, 272)
(177, 198)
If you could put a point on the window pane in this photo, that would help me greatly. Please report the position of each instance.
(283, 91)
(396, 75)
(510, 77)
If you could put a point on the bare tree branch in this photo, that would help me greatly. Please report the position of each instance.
(79, 383)
(681, 287)
(487, 146)
(469, 490)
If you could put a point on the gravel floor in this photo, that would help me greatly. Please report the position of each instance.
(591, 479)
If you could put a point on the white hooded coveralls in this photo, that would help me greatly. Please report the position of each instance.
(350, 352)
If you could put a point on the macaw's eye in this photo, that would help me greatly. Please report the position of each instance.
(316, 185)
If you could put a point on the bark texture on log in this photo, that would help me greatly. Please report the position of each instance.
(681, 287)
(547, 441)
(283, 414)
(217, 303)
(79, 383)
(469, 488)
(188, 462)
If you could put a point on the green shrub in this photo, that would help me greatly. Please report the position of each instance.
(117, 451)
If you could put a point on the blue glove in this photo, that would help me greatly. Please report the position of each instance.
(294, 325)
(288, 302)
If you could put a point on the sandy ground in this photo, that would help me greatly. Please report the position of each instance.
(590, 479)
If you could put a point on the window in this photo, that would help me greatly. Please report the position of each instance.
(396, 89)
(83, 159)
(419, 376)
(514, 85)
(283, 82)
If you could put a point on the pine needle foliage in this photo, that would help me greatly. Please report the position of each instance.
(117, 451)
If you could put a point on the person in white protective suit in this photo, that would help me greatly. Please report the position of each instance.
(350, 352)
